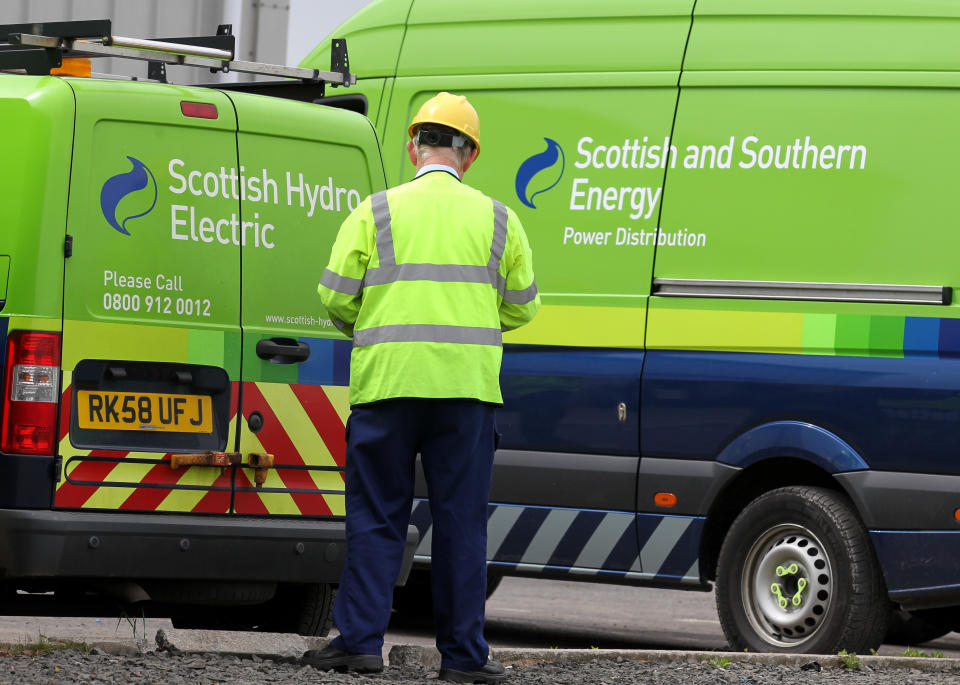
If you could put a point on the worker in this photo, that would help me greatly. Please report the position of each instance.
(424, 277)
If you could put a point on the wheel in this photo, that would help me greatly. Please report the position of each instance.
(210, 593)
(796, 573)
(909, 629)
(415, 599)
(301, 609)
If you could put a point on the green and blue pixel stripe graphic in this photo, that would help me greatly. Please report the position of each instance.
(803, 333)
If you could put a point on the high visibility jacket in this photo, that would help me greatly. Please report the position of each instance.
(424, 277)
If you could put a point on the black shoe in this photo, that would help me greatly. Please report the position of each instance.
(333, 658)
(492, 672)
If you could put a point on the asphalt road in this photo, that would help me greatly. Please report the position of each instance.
(523, 613)
(526, 612)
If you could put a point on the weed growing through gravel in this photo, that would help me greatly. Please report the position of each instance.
(719, 662)
(914, 652)
(42, 645)
(849, 660)
(141, 638)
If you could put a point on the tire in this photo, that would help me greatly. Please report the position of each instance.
(908, 629)
(301, 609)
(210, 593)
(804, 547)
(415, 599)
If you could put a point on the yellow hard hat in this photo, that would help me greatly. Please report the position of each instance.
(450, 110)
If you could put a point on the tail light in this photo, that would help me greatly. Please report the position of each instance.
(31, 393)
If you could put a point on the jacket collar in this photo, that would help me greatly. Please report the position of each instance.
(437, 167)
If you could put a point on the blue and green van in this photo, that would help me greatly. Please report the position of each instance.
(746, 369)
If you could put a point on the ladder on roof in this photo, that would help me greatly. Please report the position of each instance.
(38, 48)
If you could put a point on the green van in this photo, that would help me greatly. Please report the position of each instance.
(746, 369)
(173, 407)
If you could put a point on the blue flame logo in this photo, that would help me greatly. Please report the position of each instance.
(533, 165)
(118, 187)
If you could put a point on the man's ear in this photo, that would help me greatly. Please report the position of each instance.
(469, 160)
(412, 151)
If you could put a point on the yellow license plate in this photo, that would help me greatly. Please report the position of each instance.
(144, 411)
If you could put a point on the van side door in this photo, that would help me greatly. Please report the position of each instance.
(808, 276)
(151, 335)
(305, 167)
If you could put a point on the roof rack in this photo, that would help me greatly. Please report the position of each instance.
(38, 48)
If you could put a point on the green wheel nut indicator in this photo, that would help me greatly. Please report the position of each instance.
(801, 586)
(781, 600)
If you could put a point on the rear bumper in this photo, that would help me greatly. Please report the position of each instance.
(75, 544)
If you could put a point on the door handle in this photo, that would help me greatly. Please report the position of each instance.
(283, 350)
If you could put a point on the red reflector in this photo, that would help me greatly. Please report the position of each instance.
(31, 390)
(201, 110)
(29, 439)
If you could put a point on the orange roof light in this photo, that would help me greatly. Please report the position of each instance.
(665, 499)
(73, 66)
(956, 514)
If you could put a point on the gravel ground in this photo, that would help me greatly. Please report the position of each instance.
(70, 666)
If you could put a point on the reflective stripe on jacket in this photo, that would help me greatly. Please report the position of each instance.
(424, 277)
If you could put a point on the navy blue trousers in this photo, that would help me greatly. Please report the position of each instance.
(455, 440)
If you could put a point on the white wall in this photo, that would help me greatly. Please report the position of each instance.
(312, 20)
(275, 31)
(132, 18)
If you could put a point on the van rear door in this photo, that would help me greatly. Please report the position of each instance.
(38, 119)
(306, 167)
(151, 314)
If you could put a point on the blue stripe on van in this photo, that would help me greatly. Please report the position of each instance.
(950, 337)
(918, 564)
(559, 399)
(697, 403)
(921, 336)
(625, 552)
(686, 551)
(582, 542)
(521, 534)
(328, 364)
(341, 361)
(576, 536)
(691, 404)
